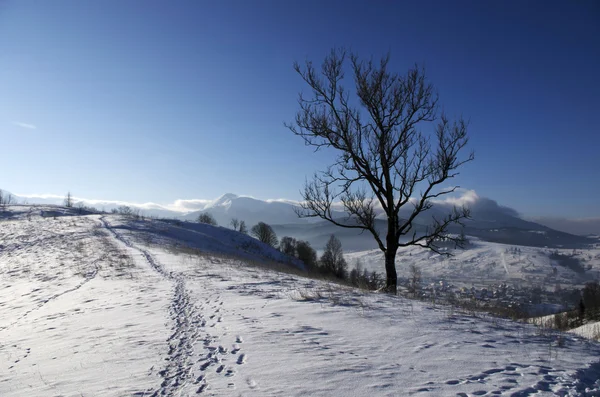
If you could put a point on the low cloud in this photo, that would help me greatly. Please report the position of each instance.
(280, 200)
(59, 199)
(188, 205)
(459, 198)
(27, 126)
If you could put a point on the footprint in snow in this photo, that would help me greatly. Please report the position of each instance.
(492, 371)
(239, 339)
(204, 366)
(241, 359)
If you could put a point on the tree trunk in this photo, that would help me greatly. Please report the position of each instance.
(390, 271)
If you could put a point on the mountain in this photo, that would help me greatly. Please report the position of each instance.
(489, 221)
(251, 211)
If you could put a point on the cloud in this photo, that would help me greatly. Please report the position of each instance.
(182, 206)
(24, 125)
(459, 198)
(41, 196)
(188, 205)
(58, 199)
(280, 200)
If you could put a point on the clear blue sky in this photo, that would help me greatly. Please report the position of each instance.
(155, 101)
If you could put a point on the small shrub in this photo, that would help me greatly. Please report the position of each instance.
(207, 218)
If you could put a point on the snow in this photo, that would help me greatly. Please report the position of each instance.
(223, 201)
(589, 330)
(484, 263)
(106, 306)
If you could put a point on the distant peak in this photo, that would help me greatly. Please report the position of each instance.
(223, 200)
(228, 196)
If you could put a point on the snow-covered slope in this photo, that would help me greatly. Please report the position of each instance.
(483, 262)
(590, 330)
(102, 306)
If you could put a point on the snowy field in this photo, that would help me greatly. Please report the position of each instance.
(106, 306)
(484, 263)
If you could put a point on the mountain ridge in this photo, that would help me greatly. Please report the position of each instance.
(489, 221)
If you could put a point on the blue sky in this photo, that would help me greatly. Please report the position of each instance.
(156, 101)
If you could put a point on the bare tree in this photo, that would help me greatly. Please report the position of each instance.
(68, 200)
(264, 233)
(6, 199)
(414, 281)
(332, 260)
(207, 218)
(243, 229)
(235, 223)
(287, 245)
(384, 159)
(306, 253)
(125, 210)
(80, 207)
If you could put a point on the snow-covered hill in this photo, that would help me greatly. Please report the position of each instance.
(483, 262)
(105, 306)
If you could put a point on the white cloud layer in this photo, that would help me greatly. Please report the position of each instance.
(24, 125)
(458, 198)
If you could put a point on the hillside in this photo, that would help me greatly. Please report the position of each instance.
(485, 263)
(107, 306)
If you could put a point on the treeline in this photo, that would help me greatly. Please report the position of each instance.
(587, 311)
(6, 199)
(331, 264)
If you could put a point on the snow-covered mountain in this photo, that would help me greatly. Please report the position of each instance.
(251, 211)
(489, 221)
(485, 213)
